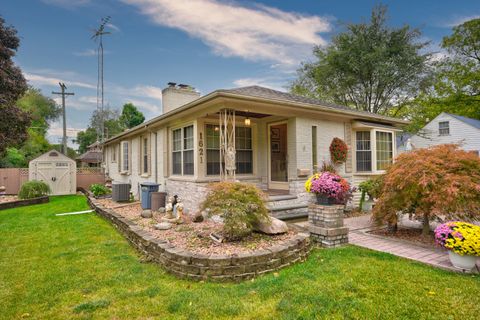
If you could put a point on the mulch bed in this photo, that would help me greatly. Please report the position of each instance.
(196, 236)
(408, 234)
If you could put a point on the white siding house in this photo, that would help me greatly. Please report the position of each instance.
(279, 140)
(449, 128)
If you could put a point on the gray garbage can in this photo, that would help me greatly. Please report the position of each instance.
(147, 188)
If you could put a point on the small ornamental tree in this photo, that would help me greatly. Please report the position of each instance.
(338, 151)
(437, 181)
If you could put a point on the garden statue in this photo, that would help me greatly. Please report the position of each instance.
(179, 213)
(169, 211)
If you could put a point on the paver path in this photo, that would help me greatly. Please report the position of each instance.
(359, 236)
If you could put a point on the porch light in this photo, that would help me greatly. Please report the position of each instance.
(247, 121)
(216, 128)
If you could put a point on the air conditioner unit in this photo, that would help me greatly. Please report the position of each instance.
(120, 191)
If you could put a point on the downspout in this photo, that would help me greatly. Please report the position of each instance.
(156, 158)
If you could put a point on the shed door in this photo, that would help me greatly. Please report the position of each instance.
(57, 174)
(45, 172)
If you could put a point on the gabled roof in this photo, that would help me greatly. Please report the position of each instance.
(473, 122)
(91, 156)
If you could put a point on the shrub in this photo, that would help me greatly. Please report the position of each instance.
(99, 190)
(372, 187)
(460, 237)
(426, 183)
(33, 189)
(241, 206)
(338, 151)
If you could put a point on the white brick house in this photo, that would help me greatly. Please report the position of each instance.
(280, 139)
(449, 128)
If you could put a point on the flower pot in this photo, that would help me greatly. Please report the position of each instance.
(324, 200)
(465, 262)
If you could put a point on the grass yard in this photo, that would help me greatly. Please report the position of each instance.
(79, 267)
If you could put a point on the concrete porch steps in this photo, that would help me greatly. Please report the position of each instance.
(286, 207)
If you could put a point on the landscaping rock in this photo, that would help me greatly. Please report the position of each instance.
(163, 226)
(217, 219)
(161, 209)
(147, 214)
(198, 217)
(274, 226)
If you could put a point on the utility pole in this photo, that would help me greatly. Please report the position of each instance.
(63, 87)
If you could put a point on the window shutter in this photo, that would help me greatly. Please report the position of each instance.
(348, 141)
(118, 151)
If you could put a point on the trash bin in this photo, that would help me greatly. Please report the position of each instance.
(147, 188)
(158, 200)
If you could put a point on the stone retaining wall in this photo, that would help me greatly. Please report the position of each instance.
(22, 203)
(185, 264)
(325, 224)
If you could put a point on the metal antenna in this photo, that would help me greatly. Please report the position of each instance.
(98, 36)
(63, 87)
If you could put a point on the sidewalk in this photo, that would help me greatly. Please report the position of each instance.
(359, 236)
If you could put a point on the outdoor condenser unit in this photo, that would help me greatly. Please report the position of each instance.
(120, 191)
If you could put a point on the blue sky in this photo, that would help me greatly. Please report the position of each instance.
(206, 43)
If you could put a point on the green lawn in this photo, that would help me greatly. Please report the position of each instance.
(79, 267)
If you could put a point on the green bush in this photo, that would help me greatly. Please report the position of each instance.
(241, 206)
(99, 190)
(372, 187)
(33, 189)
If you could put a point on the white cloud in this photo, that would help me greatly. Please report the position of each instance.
(113, 27)
(147, 91)
(39, 79)
(255, 33)
(145, 105)
(459, 20)
(86, 53)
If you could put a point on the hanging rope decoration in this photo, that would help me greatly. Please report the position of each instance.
(338, 151)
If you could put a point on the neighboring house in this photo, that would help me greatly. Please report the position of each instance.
(449, 128)
(92, 157)
(279, 139)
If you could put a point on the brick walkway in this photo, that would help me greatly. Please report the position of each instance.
(359, 236)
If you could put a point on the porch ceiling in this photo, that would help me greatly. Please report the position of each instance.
(250, 114)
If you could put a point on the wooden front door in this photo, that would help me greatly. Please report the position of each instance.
(278, 156)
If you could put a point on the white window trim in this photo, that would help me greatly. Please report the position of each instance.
(444, 134)
(254, 151)
(194, 149)
(142, 172)
(373, 150)
(113, 153)
(122, 157)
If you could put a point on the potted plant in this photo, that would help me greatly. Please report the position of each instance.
(462, 240)
(329, 188)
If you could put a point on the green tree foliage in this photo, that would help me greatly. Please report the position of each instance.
(42, 110)
(71, 153)
(437, 181)
(14, 124)
(131, 117)
(369, 67)
(86, 138)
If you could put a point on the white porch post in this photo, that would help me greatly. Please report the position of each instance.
(227, 145)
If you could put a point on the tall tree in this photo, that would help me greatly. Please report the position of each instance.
(369, 67)
(131, 116)
(14, 124)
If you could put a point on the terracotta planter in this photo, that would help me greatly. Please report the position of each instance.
(324, 200)
(465, 262)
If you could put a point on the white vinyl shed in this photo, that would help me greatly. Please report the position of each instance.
(57, 170)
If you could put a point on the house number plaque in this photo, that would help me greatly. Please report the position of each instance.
(200, 147)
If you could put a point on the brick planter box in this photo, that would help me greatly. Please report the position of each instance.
(325, 224)
(185, 264)
(22, 203)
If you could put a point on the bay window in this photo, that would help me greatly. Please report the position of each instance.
(182, 151)
(373, 150)
(243, 148)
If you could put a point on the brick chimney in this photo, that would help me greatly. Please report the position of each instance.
(175, 96)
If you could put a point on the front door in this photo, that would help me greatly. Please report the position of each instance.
(278, 156)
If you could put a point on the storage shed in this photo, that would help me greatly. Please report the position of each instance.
(57, 170)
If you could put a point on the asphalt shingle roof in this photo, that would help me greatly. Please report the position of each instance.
(262, 92)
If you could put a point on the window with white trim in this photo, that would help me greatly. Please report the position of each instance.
(182, 151)
(125, 156)
(243, 148)
(113, 150)
(363, 151)
(144, 155)
(384, 150)
(373, 150)
(444, 128)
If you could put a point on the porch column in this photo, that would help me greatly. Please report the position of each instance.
(227, 145)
